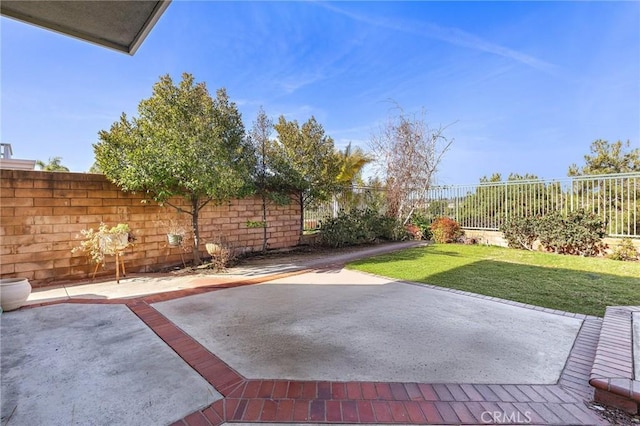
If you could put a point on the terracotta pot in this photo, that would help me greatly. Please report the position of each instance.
(13, 292)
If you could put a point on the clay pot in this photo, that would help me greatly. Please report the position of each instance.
(13, 292)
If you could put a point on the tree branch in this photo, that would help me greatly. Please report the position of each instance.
(179, 209)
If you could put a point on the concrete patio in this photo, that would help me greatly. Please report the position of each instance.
(313, 343)
(349, 326)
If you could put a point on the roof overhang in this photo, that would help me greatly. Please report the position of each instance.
(15, 164)
(121, 24)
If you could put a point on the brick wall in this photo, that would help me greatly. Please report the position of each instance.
(42, 214)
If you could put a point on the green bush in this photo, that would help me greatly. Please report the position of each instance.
(359, 227)
(344, 230)
(520, 232)
(423, 223)
(446, 230)
(579, 233)
(389, 228)
(626, 251)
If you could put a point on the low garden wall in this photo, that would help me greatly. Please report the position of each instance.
(42, 214)
(495, 238)
(492, 238)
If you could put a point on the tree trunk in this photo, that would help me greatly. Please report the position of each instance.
(264, 222)
(301, 201)
(196, 231)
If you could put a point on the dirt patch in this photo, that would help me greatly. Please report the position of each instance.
(613, 415)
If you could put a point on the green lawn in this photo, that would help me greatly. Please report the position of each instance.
(569, 283)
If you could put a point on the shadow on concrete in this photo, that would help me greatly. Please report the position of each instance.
(328, 270)
(407, 254)
(328, 327)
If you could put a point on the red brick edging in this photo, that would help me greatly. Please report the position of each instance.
(249, 400)
(612, 372)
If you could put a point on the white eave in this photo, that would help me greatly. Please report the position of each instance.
(15, 164)
(121, 25)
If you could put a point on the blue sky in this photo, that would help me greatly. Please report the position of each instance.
(529, 86)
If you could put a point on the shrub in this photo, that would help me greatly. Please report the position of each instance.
(359, 227)
(520, 232)
(339, 231)
(222, 254)
(423, 223)
(389, 228)
(413, 231)
(579, 233)
(445, 230)
(626, 251)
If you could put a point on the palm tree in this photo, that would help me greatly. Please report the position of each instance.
(54, 165)
(351, 165)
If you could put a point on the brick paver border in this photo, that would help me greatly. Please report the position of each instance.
(255, 400)
(612, 373)
(285, 401)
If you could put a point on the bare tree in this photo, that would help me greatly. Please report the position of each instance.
(407, 153)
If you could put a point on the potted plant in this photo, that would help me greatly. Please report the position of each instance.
(106, 241)
(13, 293)
(115, 239)
(175, 233)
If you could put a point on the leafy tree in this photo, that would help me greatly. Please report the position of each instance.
(259, 137)
(183, 143)
(267, 174)
(54, 165)
(608, 158)
(408, 152)
(306, 160)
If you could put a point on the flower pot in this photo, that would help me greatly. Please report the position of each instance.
(174, 239)
(110, 244)
(13, 292)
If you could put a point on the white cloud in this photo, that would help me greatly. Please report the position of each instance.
(451, 35)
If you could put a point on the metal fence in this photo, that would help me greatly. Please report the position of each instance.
(348, 198)
(615, 198)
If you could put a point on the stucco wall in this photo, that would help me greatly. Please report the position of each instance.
(492, 238)
(42, 214)
(495, 238)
